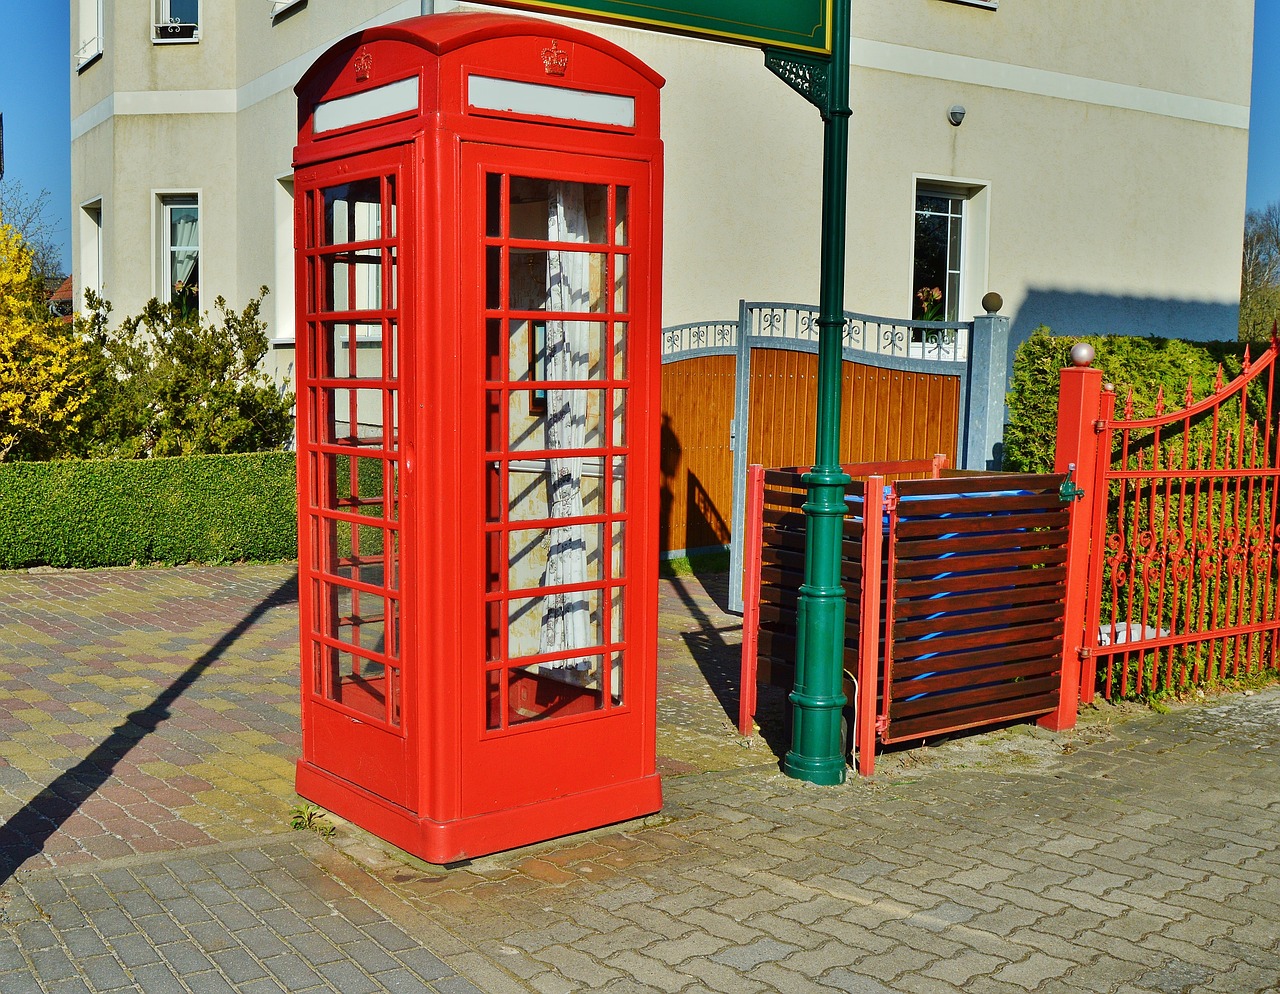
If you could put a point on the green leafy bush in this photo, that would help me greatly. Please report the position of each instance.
(1145, 366)
(171, 381)
(206, 509)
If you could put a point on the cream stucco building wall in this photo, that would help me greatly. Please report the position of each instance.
(1100, 163)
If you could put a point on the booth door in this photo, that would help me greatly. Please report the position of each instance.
(559, 471)
(349, 404)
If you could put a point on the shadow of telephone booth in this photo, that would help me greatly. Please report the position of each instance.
(478, 233)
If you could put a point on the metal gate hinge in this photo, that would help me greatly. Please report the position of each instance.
(1084, 652)
(1068, 491)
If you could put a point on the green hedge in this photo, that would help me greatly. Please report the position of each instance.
(1143, 365)
(205, 509)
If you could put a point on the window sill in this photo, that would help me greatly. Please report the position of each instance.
(984, 4)
(86, 63)
(175, 34)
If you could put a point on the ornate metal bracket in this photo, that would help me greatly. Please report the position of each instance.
(805, 74)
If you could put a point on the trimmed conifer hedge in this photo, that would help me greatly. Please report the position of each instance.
(201, 509)
(1145, 366)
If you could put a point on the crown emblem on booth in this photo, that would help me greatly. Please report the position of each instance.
(555, 60)
(363, 65)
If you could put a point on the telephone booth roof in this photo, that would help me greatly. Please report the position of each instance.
(554, 55)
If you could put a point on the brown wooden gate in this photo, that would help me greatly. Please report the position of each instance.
(885, 414)
(754, 382)
(697, 466)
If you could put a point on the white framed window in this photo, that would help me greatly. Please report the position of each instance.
(938, 255)
(283, 329)
(176, 21)
(178, 255)
(949, 250)
(90, 251)
(89, 32)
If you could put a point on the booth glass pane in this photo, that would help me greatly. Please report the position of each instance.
(620, 350)
(619, 485)
(493, 205)
(352, 350)
(359, 484)
(529, 484)
(620, 223)
(493, 700)
(358, 416)
(551, 691)
(563, 282)
(392, 473)
(615, 679)
(353, 212)
(353, 280)
(535, 556)
(571, 420)
(557, 622)
(616, 628)
(359, 683)
(493, 277)
(620, 283)
(494, 627)
(555, 210)
(619, 560)
(391, 270)
(619, 418)
(493, 349)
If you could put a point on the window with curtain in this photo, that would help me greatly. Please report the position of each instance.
(180, 251)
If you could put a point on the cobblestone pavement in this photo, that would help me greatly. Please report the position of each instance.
(150, 722)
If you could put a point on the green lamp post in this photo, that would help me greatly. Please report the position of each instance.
(817, 752)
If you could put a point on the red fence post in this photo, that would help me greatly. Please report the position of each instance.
(752, 555)
(1079, 407)
(864, 716)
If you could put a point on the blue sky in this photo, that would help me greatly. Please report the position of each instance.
(35, 79)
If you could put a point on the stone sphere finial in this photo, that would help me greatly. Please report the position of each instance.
(1082, 354)
(992, 302)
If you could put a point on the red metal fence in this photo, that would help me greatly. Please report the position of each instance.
(1182, 585)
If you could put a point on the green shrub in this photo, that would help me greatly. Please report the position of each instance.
(206, 509)
(1144, 366)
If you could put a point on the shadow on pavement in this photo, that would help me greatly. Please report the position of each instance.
(25, 834)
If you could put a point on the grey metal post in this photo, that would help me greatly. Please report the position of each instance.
(988, 377)
(738, 444)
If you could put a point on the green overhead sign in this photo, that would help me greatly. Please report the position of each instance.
(802, 25)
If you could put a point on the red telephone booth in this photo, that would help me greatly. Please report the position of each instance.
(478, 205)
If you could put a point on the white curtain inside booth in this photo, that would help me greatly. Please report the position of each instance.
(567, 615)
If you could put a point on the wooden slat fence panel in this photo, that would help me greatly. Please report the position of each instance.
(969, 592)
(977, 596)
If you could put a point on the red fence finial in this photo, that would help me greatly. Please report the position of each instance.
(1245, 368)
(1190, 396)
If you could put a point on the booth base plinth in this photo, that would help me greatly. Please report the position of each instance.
(443, 842)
